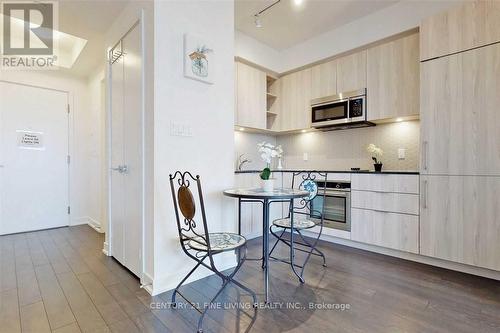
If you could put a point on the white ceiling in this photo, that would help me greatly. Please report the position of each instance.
(89, 20)
(287, 24)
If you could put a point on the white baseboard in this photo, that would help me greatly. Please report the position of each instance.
(160, 285)
(147, 283)
(484, 272)
(94, 224)
(105, 249)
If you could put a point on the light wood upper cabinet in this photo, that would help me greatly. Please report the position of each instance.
(250, 97)
(295, 106)
(351, 72)
(460, 120)
(464, 27)
(393, 78)
(459, 219)
(324, 79)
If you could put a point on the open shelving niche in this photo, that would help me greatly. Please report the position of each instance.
(271, 105)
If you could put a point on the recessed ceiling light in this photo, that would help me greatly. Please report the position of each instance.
(298, 2)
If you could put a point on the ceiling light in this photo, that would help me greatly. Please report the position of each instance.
(258, 23)
(298, 2)
(399, 119)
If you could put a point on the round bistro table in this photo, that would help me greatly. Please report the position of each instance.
(266, 198)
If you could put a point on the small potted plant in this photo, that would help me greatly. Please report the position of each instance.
(376, 152)
(267, 153)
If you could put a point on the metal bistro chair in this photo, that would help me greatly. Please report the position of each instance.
(301, 216)
(200, 244)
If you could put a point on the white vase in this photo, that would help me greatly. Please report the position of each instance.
(280, 166)
(268, 185)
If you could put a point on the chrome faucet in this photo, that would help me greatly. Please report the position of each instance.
(242, 161)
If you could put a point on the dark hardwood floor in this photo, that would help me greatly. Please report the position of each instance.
(59, 281)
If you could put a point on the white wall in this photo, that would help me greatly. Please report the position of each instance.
(402, 16)
(209, 109)
(97, 164)
(254, 51)
(82, 171)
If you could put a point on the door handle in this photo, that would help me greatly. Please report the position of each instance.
(424, 192)
(425, 154)
(121, 169)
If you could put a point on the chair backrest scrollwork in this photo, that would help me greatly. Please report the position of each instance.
(185, 208)
(313, 182)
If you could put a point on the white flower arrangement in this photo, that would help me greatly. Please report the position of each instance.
(267, 153)
(377, 151)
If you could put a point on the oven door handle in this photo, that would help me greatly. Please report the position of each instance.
(336, 194)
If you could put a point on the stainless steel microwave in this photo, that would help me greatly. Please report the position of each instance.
(345, 110)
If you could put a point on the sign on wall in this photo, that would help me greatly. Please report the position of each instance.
(30, 140)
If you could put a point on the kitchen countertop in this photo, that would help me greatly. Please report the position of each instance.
(384, 172)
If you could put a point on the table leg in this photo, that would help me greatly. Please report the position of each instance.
(265, 247)
(239, 216)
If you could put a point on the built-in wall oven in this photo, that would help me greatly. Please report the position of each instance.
(336, 202)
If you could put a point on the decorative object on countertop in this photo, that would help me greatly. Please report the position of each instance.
(267, 153)
(242, 161)
(197, 57)
(378, 152)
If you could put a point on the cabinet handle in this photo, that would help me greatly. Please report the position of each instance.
(425, 152)
(424, 192)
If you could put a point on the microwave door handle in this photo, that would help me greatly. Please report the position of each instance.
(349, 110)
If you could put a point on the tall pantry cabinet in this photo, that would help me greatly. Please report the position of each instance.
(460, 136)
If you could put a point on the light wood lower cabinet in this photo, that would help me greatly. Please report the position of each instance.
(460, 219)
(386, 201)
(385, 183)
(251, 213)
(391, 230)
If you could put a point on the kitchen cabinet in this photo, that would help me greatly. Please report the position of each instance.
(251, 213)
(393, 79)
(295, 107)
(385, 201)
(251, 101)
(351, 72)
(391, 230)
(467, 26)
(460, 122)
(385, 183)
(385, 210)
(459, 219)
(324, 79)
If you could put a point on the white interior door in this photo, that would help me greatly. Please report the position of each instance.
(34, 176)
(126, 154)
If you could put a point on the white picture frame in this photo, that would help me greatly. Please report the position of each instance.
(198, 59)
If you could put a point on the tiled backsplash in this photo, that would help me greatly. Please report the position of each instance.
(340, 149)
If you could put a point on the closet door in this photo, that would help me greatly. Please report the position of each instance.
(127, 154)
